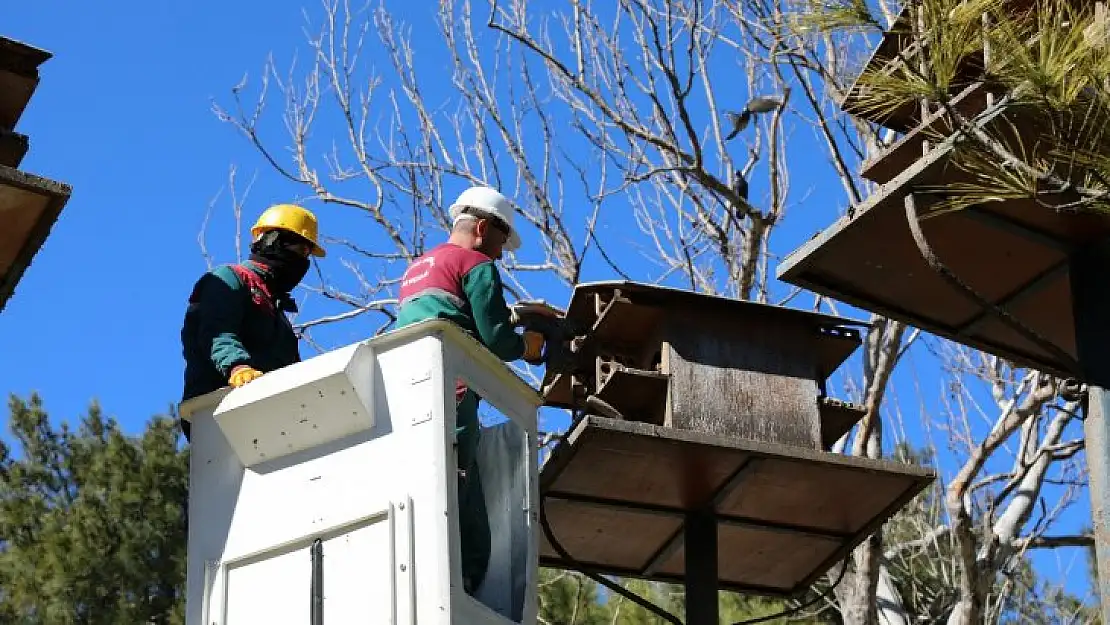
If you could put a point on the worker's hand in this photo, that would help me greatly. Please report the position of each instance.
(533, 347)
(242, 374)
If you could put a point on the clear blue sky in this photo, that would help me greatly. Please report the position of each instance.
(123, 114)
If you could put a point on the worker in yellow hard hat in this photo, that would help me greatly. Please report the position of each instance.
(235, 327)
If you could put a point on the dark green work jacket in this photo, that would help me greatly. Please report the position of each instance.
(232, 320)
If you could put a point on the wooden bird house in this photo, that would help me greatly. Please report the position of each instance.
(998, 276)
(706, 364)
(699, 445)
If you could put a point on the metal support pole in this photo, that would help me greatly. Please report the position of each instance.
(316, 590)
(1097, 431)
(700, 547)
(1091, 312)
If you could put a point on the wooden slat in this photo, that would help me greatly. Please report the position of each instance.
(624, 537)
(20, 211)
(15, 94)
(834, 346)
(19, 77)
(29, 205)
(638, 395)
(13, 147)
(837, 418)
(616, 466)
(899, 156)
(625, 323)
(818, 496)
(753, 557)
(743, 375)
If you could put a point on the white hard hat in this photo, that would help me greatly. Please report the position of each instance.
(490, 201)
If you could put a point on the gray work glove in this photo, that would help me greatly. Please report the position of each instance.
(521, 310)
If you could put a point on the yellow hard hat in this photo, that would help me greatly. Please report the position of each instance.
(292, 218)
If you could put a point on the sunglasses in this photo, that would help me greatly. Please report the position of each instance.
(497, 222)
(288, 241)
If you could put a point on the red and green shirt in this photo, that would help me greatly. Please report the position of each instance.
(463, 286)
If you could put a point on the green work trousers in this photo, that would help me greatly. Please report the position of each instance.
(473, 518)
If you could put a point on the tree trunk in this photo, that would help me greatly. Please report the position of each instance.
(888, 602)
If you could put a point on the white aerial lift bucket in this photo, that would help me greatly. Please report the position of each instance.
(325, 493)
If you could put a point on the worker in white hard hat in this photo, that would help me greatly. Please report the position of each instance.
(458, 281)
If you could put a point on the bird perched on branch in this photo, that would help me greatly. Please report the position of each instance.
(758, 104)
(740, 184)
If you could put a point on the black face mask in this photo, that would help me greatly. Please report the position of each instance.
(286, 267)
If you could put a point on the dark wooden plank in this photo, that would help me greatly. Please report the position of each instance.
(837, 418)
(834, 346)
(19, 77)
(29, 205)
(19, 58)
(638, 395)
(13, 147)
(754, 557)
(619, 538)
(626, 323)
(618, 467)
(20, 211)
(15, 94)
(902, 153)
(743, 375)
(825, 497)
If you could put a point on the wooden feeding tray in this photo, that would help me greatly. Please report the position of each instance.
(29, 206)
(1015, 254)
(616, 495)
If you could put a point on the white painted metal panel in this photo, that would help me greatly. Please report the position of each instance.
(382, 496)
(273, 589)
(359, 584)
(300, 406)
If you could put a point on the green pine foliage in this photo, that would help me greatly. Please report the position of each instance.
(1049, 65)
(92, 522)
(569, 598)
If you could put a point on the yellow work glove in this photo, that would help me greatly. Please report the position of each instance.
(533, 347)
(242, 374)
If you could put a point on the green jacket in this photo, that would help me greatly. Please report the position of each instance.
(229, 323)
(463, 286)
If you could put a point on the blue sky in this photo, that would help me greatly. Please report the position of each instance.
(124, 115)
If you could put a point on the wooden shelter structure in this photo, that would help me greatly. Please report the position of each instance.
(699, 451)
(1014, 278)
(29, 204)
(995, 276)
